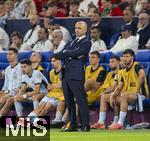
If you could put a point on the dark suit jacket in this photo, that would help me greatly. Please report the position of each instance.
(133, 25)
(144, 36)
(74, 57)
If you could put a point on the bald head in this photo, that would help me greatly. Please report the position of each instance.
(35, 57)
(34, 20)
(80, 28)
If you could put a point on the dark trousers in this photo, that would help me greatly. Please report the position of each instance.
(74, 90)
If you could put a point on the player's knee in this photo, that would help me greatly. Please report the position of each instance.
(61, 104)
(35, 97)
(123, 97)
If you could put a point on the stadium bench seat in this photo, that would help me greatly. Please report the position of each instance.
(120, 53)
(3, 56)
(106, 66)
(105, 56)
(47, 68)
(46, 56)
(24, 55)
(3, 65)
(113, 40)
(143, 56)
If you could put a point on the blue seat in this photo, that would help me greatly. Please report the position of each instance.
(46, 56)
(24, 55)
(145, 64)
(120, 53)
(106, 66)
(3, 65)
(105, 56)
(143, 56)
(146, 102)
(113, 40)
(3, 56)
(47, 67)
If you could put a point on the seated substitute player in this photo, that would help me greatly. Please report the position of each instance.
(55, 98)
(109, 85)
(12, 83)
(36, 59)
(133, 82)
(95, 75)
(34, 85)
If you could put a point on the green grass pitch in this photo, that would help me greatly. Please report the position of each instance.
(94, 135)
(101, 135)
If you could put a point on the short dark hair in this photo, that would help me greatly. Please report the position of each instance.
(15, 33)
(96, 9)
(115, 57)
(130, 8)
(54, 56)
(26, 61)
(97, 28)
(75, 2)
(13, 50)
(129, 51)
(95, 53)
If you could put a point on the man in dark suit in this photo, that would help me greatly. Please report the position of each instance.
(143, 30)
(74, 57)
(128, 14)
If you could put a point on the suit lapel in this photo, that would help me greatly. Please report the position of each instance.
(75, 43)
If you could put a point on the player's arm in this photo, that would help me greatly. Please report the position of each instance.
(54, 86)
(140, 80)
(57, 85)
(140, 72)
(78, 52)
(5, 86)
(111, 88)
(35, 91)
(101, 77)
(118, 89)
(22, 89)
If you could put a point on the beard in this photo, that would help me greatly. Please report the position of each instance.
(128, 63)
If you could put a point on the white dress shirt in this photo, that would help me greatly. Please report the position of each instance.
(60, 47)
(18, 9)
(4, 39)
(123, 44)
(98, 45)
(28, 42)
(43, 46)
